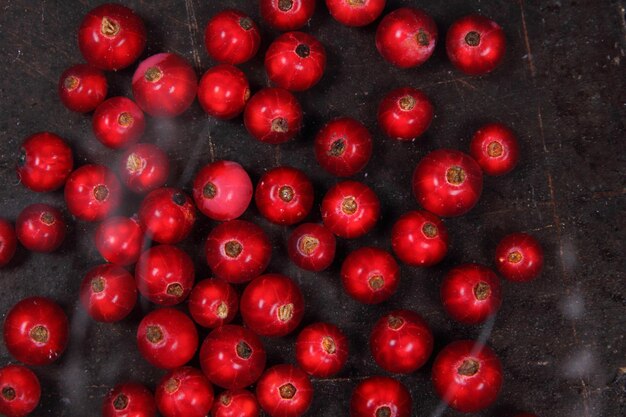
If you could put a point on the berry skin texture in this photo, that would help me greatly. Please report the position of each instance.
(129, 400)
(8, 242)
(273, 115)
(312, 247)
(232, 37)
(184, 392)
(380, 396)
(108, 293)
(111, 37)
(406, 37)
(419, 238)
(343, 147)
(494, 146)
(36, 331)
(272, 305)
(471, 293)
(44, 163)
(168, 215)
(144, 167)
(232, 357)
(370, 275)
(235, 403)
(355, 12)
(118, 122)
(223, 91)
(284, 195)
(120, 240)
(165, 275)
(475, 44)
(284, 391)
(222, 190)
(405, 113)
(19, 391)
(164, 85)
(40, 228)
(321, 350)
(237, 251)
(467, 376)
(519, 257)
(295, 61)
(167, 338)
(213, 303)
(92, 193)
(350, 209)
(447, 182)
(82, 88)
(287, 15)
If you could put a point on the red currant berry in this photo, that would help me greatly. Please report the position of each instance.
(129, 400)
(273, 115)
(231, 37)
(36, 331)
(295, 61)
(321, 350)
(165, 275)
(287, 14)
(8, 242)
(405, 113)
(118, 122)
(108, 293)
(92, 193)
(19, 391)
(40, 228)
(168, 215)
(467, 376)
(144, 167)
(519, 257)
(237, 251)
(495, 148)
(82, 88)
(223, 91)
(272, 305)
(370, 275)
(350, 209)
(447, 182)
(164, 85)
(475, 44)
(312, 247)
(284, 195)
(380, 396)
(45, 162)
(184, 392)
(355, 12)
(235, 403)
(284, 391)
(222, 190)
(213, 303)
(232, 357)
(343, 147)
(120, 240)
(419, 238)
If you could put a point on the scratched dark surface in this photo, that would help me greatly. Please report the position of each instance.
(561, 88)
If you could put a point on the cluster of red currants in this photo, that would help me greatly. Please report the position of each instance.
(466, 374)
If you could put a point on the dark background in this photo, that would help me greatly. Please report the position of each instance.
(561, 88)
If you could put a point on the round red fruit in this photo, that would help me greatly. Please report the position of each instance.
(321, 350)
(380, 396)
(44, 163)
(519, 257)
(343, 147)
(167, 214)
(108, 293)
(419, 238)
(284, 391)
(370, 275)
(120, 240)
(40, 228)
(350, 209)
(82, 88)
(118, 122)
(232, 37)
(495, 148)
(8, 242)
(312, 247)
(144, 167)
(235, 403)
(129, 400)
(213, 303)
(273, 115)
(184, 392)
(475, 44)
(405, 113)
(287, 14)
(19, 391)
(284, 195)
(355, 12)
(92, 193)
(223, 91)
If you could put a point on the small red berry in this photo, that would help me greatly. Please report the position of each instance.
(321, 350)
(284, 195)
(232, 37)
(355, 12)
(312, 247)
(495, 148)
(45, 162)
(380, 396)
(419, 238)
(405, 113)
(284, 391)
(108, 293)
(287, 14)
(92, 193)
(235, 403)
(129, 400)
(20, 391)
(223, 91)
(8, 242)
(168, 215)
(118, 122)
(475, 44)
(82, 88)
(350, 209)
(40, 228)
(273, 115)
(370, 275)
(184, 392)
(144, 167)
(519, 257)
(120, 240)
(343, 147)
(213, 303)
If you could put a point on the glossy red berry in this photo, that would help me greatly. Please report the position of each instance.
(343, 147)
(419, 238)
(355, 12)
(8, 242)
(238, 251)
(223, 91)
(165, 275)
(475, 44)
(213, 303)
(144, 167)
(164, 85)
(295, 61)
(312, 247)
(272, 305)
(380, 396)
(447, 182)
(350, 209)
(370, 275)
(108, 293)
(494, 146)
(284, 195)
(273, 115)
(232, 357)
(467, 376)
(284, 391)
(222, 190)
(40, 228)
(167, 214)
(19, 391)
(287, 14)
(120, 240)
(36, 331)
(235, 403)
(321, 350)
(232, 37)
(82, 88)
(129, 400)
(118, 122)
(92, 193)
(44, 163)
(519, 257)
(184, 392)
(405, 113)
